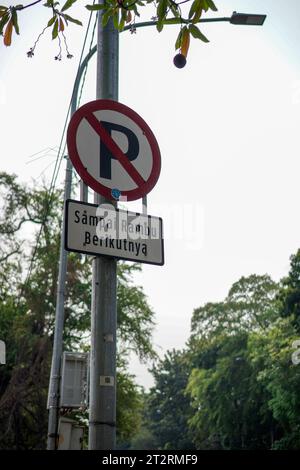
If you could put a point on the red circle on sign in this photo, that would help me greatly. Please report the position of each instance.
(86, 112)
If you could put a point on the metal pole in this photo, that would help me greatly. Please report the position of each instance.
(83, 191)
(55, 374)
(144, 205)
(102, 418)
(54, 384)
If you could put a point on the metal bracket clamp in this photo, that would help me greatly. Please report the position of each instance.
(100, 423)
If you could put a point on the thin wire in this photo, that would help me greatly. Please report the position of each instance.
(41, 151)
(45, 169)
(56, 169)
(47, 154)
(86, 68)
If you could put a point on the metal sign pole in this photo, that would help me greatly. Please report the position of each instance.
(102, 418)
(54, 384)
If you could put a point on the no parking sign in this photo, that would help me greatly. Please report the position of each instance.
(113, 150)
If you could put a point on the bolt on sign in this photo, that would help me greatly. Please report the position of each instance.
(105, 230)
(113, 150)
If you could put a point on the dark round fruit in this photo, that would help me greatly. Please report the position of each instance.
(179, 61)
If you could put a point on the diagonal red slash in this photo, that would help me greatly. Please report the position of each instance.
(115, 149)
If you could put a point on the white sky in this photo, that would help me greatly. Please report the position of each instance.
(227, 125)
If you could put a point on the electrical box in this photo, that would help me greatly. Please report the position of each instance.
(70, 435)
(74, 380)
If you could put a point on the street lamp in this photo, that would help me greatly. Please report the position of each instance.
(244, 18)
(236, 18)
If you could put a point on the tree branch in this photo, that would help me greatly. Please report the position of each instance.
(183, 1)
(31, 4)
(5, 258)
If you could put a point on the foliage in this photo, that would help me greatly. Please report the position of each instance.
(167, 407)
(120, 12)
(129, 410)
(27, 310)
(250, 304)
(289, 295)
(135, 316)
(271, 355)
(143, 440)
(234, 386)
(229, 403)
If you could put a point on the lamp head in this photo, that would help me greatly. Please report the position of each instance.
(247, 19)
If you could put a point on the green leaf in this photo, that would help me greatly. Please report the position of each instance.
(162, 9)
(3, 11)
(205, 5)
(116, 20)
(95, 7)
(106, 16)
(14, 18)
(3, 22)
(175, 10)
(121, 24)
(51, 21)
(197, 15)
(178, 40)
(72, 20)
(68, 4)
(211, 5)
(196, 33)
(196, 11)
(193, 8)
(55, 29)
(161, 13)
(134, 8)
(123, 19)
(160, 25)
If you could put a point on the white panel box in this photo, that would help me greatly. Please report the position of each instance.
(74, 380)
(70, 435)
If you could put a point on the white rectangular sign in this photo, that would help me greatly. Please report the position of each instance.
(107, 231)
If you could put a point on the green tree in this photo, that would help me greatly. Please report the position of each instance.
(244, 385)
(230, 402)
(251, 304)
(27, 307)
(129, 408)
(235, 386)
(289, 295)
(210, 396)
(168, 408)
(270, 355)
